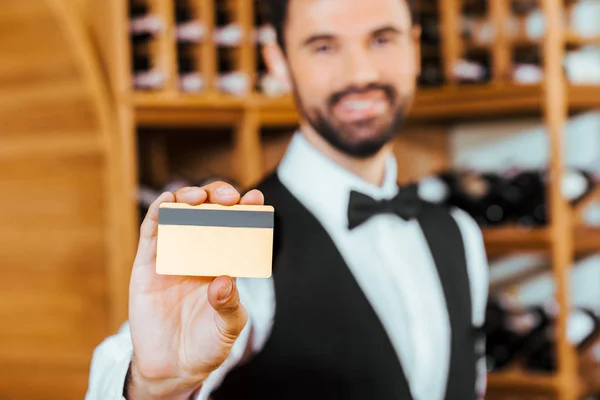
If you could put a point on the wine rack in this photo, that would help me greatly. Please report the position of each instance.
(197, 63)
(515, 50)
(200, 47)
(501, 40)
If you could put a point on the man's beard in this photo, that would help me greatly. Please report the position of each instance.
(350, 138)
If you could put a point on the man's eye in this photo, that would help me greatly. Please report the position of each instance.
(381, 40)
(323, 48)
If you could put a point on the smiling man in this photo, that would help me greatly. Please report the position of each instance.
(375, 293)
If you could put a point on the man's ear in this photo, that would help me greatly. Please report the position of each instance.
(276, 64)
(416, 38)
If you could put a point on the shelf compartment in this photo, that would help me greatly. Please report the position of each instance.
(192, 27)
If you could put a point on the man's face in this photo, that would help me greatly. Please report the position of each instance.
(353, 65)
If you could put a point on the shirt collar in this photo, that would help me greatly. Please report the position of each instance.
(323, 186)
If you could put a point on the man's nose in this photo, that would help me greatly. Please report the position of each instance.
(360, 67)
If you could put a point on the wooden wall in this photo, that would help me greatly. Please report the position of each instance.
(58, 242)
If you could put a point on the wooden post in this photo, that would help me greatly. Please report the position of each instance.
(209, 50)
(555, 101)
(245, 17)
(166, 51)
(247, 162)
(450, 37)
(501, 50)
(111, 32)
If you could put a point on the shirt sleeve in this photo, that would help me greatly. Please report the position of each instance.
(110, 363)
(477, 266)
(111, 359)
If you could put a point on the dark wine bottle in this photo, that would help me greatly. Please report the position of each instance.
(432, 74)
(532, 186)
(510, 332)
(487, 197)
(583, 328)
(430, 30)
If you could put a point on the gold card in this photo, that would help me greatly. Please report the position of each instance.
(214, 240)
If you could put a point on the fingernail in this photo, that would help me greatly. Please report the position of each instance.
(226, 190)
(189, 189)
(226, 290)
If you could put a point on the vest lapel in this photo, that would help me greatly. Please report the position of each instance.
(445, 242)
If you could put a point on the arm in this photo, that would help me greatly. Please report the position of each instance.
(112, 358)
(181, 328)
(477, 265)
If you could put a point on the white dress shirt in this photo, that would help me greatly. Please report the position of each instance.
(390, 260)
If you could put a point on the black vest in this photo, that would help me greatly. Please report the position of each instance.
(327, 342)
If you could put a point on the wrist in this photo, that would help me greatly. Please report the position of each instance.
(139, 387)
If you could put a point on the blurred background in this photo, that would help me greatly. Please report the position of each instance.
(104, 104)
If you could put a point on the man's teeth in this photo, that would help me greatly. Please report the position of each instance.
(358, 105)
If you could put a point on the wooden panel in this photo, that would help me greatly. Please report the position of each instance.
(53, 282)
(42, 382)
(57, 224)
(57, 192)
(39, 87)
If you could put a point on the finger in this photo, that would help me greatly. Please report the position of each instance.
(224, 298)
(191, 195)
(222, 193)
(149, 229)
(253, 197)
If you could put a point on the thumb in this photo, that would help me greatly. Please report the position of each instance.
(224, 298)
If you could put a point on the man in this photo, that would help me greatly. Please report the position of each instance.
(375, 294)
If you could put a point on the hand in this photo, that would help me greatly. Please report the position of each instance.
(182, 328)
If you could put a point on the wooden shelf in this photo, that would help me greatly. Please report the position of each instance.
(523, 381)
(180, 109)
(495, 101)
(511, 239)
(571, 39)
(439, 104)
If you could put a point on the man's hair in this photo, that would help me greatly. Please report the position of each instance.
(277, 11)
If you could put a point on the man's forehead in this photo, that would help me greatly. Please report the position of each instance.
(347, 15)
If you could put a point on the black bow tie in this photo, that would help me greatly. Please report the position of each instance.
(406, 204)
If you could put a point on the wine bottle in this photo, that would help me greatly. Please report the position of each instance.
(430, 30)
(510, 332)
(230, 79)
(146, 25)
(190, 32)
(487, 197)
(264, 34)
(431, 74)
(583, 328)
(471, 71)
(532, 184)
(190, 78)
(527, 74)
(434, 189)
(145, 75)
(228, 35)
